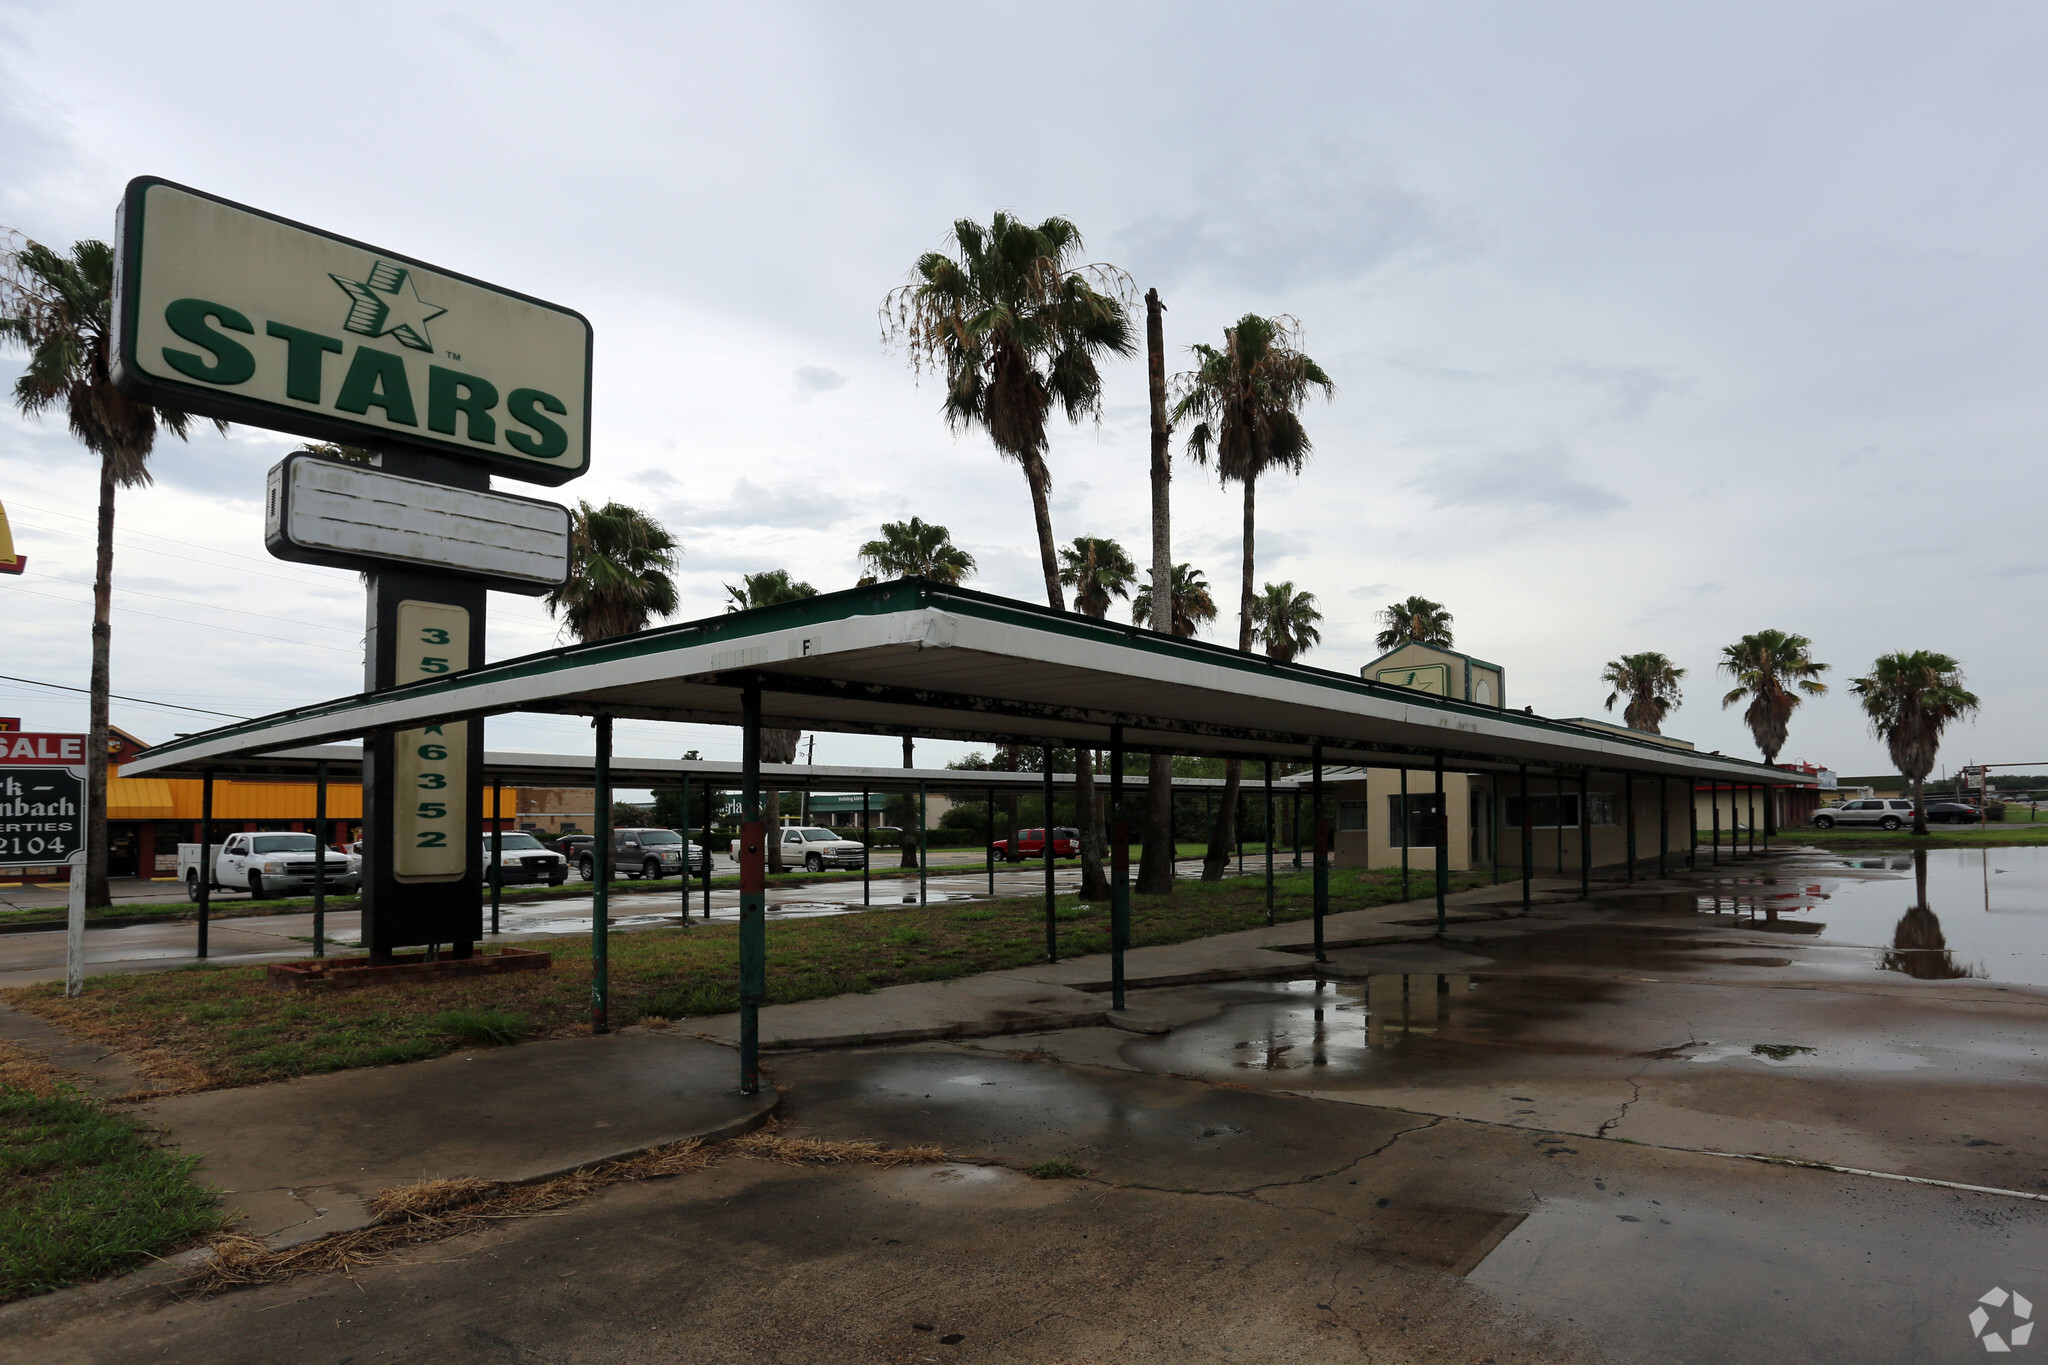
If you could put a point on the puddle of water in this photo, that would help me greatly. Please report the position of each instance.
(1933, 915)
(1846, 1056)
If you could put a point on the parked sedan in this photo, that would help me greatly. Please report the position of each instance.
(1883, 812)
(1953, 813)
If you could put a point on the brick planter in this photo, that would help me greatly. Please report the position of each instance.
(345, 973)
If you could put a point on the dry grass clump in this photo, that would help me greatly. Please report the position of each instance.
(21, 1069)
(432, 1210)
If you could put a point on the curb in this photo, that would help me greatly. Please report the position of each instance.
(986, 1029)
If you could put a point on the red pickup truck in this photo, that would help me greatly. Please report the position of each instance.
(1066, 843)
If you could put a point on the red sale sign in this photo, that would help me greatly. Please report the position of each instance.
(42, 750)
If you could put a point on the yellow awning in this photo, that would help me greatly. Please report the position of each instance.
(139, 798)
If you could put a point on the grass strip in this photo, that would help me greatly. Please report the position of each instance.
(84, 1192)
(206, 1026)
(2022, 835)
(435, 1210)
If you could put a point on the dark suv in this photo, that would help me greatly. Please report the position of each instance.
(642, 853)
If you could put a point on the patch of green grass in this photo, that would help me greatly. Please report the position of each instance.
(218, 1025)
(499, 1027)
(85, 1192)
(2008, 835)
(1058, 1168)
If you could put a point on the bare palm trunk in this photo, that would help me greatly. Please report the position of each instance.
(1919, 808)
(95, 869)
(1155, 867)
(1088, 815)
(1040, 479)
(1222, 838)
(908, 840)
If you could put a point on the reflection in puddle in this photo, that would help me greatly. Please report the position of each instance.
(1845, 1056)
(1314, 1024)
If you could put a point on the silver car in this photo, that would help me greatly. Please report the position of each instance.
(1883, 812)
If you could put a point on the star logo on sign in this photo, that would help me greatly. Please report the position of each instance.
(2018, 1335)
(388, 304)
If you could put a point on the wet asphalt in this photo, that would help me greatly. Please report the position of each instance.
(1524, 1142)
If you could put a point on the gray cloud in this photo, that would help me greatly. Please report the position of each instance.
(812, 379)
(1333, 212)
(1538, 482)
(787, 504)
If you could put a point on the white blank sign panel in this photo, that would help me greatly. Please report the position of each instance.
(328, 512)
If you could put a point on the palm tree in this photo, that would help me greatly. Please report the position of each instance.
(1771, 668)
(1193, 607)
(619, 563)
(1286, 622)
(766, 589)
(915, 549)
(1910, 697)
(1014, 325)
(1245, 401)
(1097, 570)
(1650, 683)
(56, 306)
(1416, 621)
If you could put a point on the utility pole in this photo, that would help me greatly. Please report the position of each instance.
(1155, 870)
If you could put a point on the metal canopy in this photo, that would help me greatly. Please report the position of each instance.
(915, 658)
(512, 769)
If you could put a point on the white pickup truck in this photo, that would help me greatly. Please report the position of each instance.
(815, 849)
(267, 865)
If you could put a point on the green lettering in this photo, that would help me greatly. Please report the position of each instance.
(524, 405)
(376, 379)
(450, 392)
(304, 352)
(231, 364)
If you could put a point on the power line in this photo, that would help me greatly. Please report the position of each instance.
(140, 701)
(192, 602)
(172, 554)
(203, 625)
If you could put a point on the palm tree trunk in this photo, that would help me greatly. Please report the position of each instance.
(95, 870)
(1222, 838)
(1919, 808)
(1040, 479)
(1088, 815)
(1155, 866)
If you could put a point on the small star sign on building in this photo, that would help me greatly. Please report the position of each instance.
(388, 304)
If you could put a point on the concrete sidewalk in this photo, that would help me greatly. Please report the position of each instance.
(301, 1159)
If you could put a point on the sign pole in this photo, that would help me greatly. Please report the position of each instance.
(74, 927)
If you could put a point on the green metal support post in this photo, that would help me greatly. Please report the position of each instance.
(205, 856)
(1714, 801)
(710, 826)
(1528, 843)
(1663, 824)
(1749, 792)
(1052, 928)
(498, 850)
(867, 845)
(1119, 870)
(923, 860)
(1407, 828)
(600, 896)
(1443, 844)
(1322, 850)
(1585, 835)
(753, 891)
(1557, 818)
(320, 860)
(1269, 842)
(991, 841)
(1628, 798)
(684, 880)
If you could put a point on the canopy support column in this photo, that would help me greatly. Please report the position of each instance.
(1407, 828)
(1528, 843)
(1120, 869)
(600, 896)
(1628, 801)
(1714, 800)
(923, 860)
(1663, 824)
(320, 861)
(1585, 834)
(205, 856)
(1269, 841)
(991, 842)
(710, 824)
(1052, 928)
(1443, 842)
(867, 847)
(753, 891)
(682, 881)
(1322, 853)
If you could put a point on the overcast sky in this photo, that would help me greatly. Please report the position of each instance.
(1651, 325)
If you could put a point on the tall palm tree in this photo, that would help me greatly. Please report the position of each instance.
(619, 564)
(1772, 669)
(916, 549)
(1098, 570)
(1910, 697)
(1193, 607)
(1650, 682)
(1417, 620)
(1286, 622)
(56, 306)
(1014, 324)
(766, 589)
(1245, 401)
